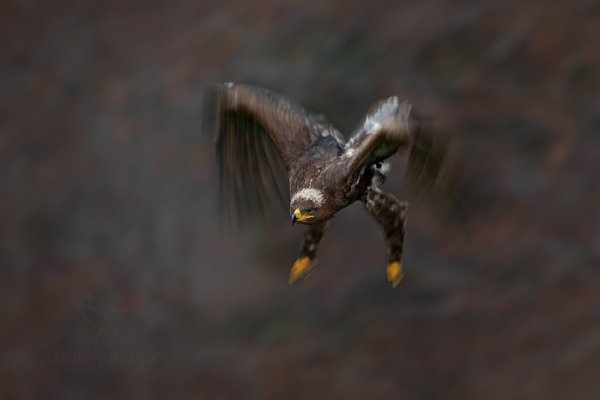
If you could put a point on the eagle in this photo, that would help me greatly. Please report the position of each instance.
(267, 144)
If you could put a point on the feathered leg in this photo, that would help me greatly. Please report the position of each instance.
(390, 214)
(305, 262)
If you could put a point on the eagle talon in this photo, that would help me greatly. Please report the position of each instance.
(301, 269)
(394, 273)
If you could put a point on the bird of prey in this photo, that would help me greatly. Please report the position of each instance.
(261, 137)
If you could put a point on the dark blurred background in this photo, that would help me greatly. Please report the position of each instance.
(117, 281)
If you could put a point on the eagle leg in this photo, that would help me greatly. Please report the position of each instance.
(305, 263)
(390, 214)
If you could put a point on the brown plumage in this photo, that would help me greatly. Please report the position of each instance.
(266, 141)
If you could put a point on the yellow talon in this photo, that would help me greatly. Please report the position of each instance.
(300, 269)
(394, 273)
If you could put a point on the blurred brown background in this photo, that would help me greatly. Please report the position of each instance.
(116, 280)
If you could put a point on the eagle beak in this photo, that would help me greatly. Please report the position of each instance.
(296, 216)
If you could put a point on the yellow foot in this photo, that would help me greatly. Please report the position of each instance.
(394, 273)
(300, 269)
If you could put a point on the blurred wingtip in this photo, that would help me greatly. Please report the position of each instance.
(252, 178)
(442, 174)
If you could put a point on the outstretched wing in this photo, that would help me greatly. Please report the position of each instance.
(433, 169)
(259, 136)
(387, 126)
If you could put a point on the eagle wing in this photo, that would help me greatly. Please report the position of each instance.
(389, 125)
(259, 136)
(386, 127)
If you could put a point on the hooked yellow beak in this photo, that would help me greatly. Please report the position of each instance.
(298, 217)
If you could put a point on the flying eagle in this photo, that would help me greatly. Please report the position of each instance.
(261, 137)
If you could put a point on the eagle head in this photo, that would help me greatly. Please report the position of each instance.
(306, 206)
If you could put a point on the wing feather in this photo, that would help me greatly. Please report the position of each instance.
(434, 169)
(259, 136)
(386, 127)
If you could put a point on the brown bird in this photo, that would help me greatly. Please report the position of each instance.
(261, 136)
